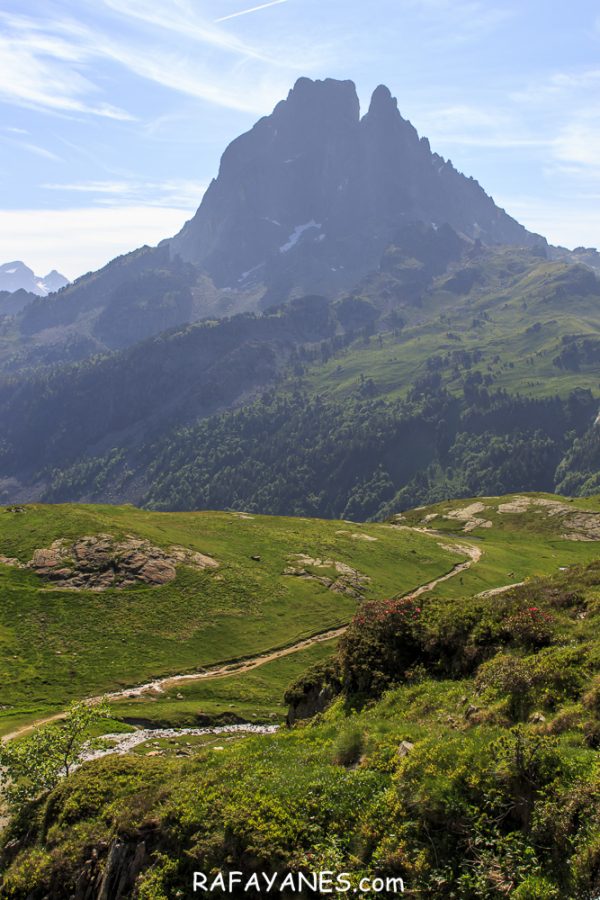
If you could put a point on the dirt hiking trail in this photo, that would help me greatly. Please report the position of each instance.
(159, 685)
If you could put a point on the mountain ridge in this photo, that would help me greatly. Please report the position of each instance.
(424, 376)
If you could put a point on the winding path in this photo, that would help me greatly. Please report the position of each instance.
(159, 685)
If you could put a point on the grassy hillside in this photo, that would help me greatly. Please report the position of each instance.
(529, 325)
(426, 381)
(62, 643)
(520, 535)
(473, 775)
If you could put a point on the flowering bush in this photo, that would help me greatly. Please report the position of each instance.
(530, 626)
(400, 609)
(383, 640)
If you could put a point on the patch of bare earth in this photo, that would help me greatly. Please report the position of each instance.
(356, 536)
(469, 515)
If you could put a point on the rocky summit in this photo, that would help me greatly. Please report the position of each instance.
(313, 194)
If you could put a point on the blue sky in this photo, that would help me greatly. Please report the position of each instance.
(114, 113)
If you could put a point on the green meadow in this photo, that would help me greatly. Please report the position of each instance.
(63, 644)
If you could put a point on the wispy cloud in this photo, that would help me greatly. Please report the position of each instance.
(40, 151)
(579, 143)
(566, 101)
(472, 126)
(28, 146)
(187, 21)
(554, 85)
(189, 75)
(558, 218)
(253, 9)
(40, 70)
(459, 22)
(50, 64)
(176, 193)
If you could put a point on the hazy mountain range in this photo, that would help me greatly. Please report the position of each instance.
(16, 276)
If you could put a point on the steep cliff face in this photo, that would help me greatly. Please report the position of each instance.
(312, 195)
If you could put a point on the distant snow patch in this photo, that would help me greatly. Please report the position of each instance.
(245, 275)
(297, 234)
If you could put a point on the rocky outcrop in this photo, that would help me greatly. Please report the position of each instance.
(313, 691)
(99, 562)
(346, 580)
(315, 700)
(112, 873)
(576, 524)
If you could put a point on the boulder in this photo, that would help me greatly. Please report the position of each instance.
(99, 562)
(404, 748)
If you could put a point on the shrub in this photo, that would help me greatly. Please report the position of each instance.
(525, 764)
(511, 678)
(348, 746)
(561, 598)
(591, 698)
(586, 869)
(382, 642)
(549, 677)
(536, 888)
(530, 627)
(560, 674)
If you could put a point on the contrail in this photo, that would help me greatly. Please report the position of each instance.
(244, 12)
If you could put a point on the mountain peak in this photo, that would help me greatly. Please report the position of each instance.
(15, 267)
(15, 276)
(327, 97)
(382, 102)
(312, 195)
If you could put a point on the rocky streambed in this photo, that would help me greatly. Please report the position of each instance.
(121, 743)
